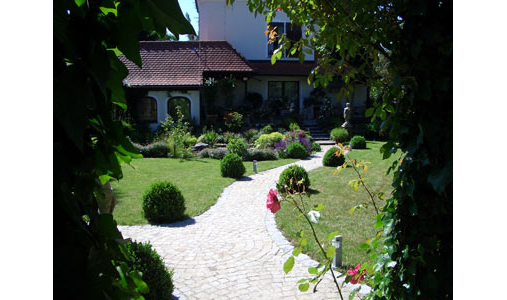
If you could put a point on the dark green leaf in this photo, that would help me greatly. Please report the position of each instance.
(108, 227)
(129, 21)
(369, 112)
(71, 96)
(167, 13)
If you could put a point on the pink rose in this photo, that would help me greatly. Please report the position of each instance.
(272, 203)
(353, 274)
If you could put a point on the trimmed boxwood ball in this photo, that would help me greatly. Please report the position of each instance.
(296, 173)
(163, 203)
(339, 135)
(358, 142)
(232, 166)
(147, 261)
(296, 150)
(331, 160)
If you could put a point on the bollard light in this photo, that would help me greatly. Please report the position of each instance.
(255, 166)
(337, 259)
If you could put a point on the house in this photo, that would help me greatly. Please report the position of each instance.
(232, 45)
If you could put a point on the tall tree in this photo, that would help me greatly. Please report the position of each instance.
(404, 49)
(88, 146)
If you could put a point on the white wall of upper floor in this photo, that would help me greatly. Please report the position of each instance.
(237, 25)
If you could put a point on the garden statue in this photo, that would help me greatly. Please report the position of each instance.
(347, 113)
(108, 202)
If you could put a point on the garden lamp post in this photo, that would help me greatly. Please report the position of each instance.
(337, 259)
(255, 166)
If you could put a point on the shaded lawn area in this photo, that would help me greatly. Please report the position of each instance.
(338, 197)
(199, 180)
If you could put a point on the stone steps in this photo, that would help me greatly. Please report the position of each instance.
(319, 135)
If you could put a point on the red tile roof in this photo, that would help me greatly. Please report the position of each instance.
(182, 63)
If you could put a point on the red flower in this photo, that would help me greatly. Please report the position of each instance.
(382, 133)
(272, 203)
(279, 8)
(352, 274)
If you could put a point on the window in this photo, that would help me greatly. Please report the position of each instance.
(184, 105)
(292, 32)
(146, 109)
(285, 91)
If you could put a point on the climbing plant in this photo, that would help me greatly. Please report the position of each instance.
(88, 145)
(403, 50)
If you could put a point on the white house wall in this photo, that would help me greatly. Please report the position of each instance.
(162, 97)
(238, 26)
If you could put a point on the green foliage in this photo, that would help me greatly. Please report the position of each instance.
(358, 142)
(232, 166)
(238, 146)
(268, 140)
(176, 133)
(267, 129)
(233, 120)
(209, 137)
(261, 154)
(250, 135)
(147, 261)
(163, 203)
(339, 135)
(293, 178)
(316, 147)
(294, 127)
(331, 160)
(296, 150)
(190, 141)
(88, 145)
(158, 149)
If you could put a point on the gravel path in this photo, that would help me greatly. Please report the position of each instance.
(234, 250)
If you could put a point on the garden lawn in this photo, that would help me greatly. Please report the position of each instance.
(338, 197)
(198, 179)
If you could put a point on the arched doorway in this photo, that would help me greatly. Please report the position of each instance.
(183, 103)
(146, 110)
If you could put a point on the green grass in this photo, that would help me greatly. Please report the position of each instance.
(338, 198)
(198, 179)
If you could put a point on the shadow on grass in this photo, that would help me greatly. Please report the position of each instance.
(192, 159)
(312, 191)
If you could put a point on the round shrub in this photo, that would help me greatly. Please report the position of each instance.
(238, 146)
(339, 135)
(232, 166)
(358, 142)
(331, 160)
(190, 141)
(296, 150)
(147, 261)
(297, 173)
(163, 203)
(316, 147)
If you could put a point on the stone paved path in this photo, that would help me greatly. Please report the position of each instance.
(234, 251)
